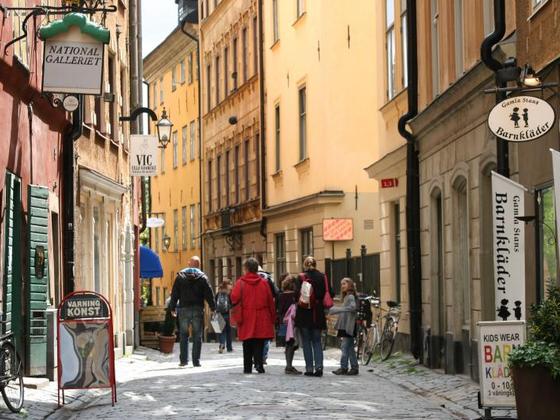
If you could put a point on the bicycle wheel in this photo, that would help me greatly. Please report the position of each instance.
(367, 350)
(388, 339)
(12, 372)
(373, 340)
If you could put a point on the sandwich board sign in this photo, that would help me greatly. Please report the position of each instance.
(496, 341)
(85, 347)
(74, 49)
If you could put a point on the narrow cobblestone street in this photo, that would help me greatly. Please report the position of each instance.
(151, 385)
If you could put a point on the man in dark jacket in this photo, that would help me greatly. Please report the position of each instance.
(190, 290)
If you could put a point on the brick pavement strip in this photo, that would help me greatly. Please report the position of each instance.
(150, 385)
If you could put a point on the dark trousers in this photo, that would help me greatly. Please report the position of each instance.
(190, 316)
(252, 351)
(289, 352)
(225, 335)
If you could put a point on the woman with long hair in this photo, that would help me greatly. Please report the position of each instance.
(346, 326)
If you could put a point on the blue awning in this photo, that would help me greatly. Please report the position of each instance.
(150, 265)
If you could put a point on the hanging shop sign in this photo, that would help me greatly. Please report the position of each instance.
(73, 55)
(508, 202)
(143, 155)
(496, 341)
(338, 230)
(86, 352)
(155, 222)
(521, 118)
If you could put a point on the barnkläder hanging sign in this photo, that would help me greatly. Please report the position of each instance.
(521, 118)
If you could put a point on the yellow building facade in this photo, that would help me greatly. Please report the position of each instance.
(322, 130)
(171, 73)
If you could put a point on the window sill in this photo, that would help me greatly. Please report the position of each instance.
(393, 99)
(277, 174)
(537, 10)
(275, 44)
(299, 19)
(302, 164)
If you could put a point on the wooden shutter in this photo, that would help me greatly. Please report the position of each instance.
(38, 280)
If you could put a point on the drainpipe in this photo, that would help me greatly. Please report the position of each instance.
(413, 187)
(502, 148)
(73, 133)
(199, 94)
(261, 117)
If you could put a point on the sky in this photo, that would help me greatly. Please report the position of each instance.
(159, 18)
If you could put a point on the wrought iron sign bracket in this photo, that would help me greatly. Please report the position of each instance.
(95, 7)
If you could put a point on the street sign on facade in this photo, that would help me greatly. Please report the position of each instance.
(389, 182)
(496, 341)
(338, 230)
(143, 155)
(521, 118)
(73, 55)
(86, 357)
(508, 202)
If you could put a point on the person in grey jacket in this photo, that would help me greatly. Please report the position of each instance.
(346, 326)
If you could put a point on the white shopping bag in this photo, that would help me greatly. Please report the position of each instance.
(218, 323)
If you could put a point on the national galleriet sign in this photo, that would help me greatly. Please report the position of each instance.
(521, 118)
(73, 55)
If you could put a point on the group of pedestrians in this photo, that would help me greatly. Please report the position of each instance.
(259, 312)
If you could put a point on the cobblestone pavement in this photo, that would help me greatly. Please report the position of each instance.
(151, 385)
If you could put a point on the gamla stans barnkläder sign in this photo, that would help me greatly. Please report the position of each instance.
(73, 55)
(508, 202)
(521, 118)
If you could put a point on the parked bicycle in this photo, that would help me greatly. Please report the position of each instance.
(11, 373)
(371, 338)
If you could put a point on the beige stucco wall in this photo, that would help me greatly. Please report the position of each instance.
(330, 49)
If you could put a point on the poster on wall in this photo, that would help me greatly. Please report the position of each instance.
(496, 341)
(508, 203)
(338, 230)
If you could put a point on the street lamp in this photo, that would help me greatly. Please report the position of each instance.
(166, 242)
(529, 78)
(164, 127)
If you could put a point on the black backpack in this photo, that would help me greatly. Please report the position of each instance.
(223, 304)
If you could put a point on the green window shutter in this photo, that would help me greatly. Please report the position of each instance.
(11, 302)
(37, 290)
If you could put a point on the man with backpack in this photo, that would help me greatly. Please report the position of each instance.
(190, 290)
(223, 306)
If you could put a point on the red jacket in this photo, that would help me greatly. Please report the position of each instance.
(259, 311)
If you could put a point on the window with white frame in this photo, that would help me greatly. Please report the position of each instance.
(390, 47)
(245, 52)
(277, 136)
(306, 242)
(488, 16)
(161, 98)
(275, 31)
(302, 109)
(300, 7)
(404, 44)
(184, 143)
(182, 71)
(174, 78)
(458, 17)
(175, 230)
(184, 227)
(434, 12)
(193, 140)
(190, 67)
(175, 141)
(193, 225)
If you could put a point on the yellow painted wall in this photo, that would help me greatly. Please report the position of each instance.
(174, 188)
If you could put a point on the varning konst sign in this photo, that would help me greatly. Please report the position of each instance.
(522, 118)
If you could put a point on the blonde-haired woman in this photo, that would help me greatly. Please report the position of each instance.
(346, 326)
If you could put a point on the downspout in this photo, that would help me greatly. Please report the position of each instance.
(413, 187)
(262, 119)
(199, 94)
(73, 133)
(502, 148)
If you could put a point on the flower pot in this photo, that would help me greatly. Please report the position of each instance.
(166, 343)
(536, 393)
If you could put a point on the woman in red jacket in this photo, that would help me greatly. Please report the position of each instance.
(258, 314)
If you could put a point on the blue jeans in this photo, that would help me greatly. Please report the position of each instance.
(191, 316)
(225, 335)
(348, 353)
(312, 349)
